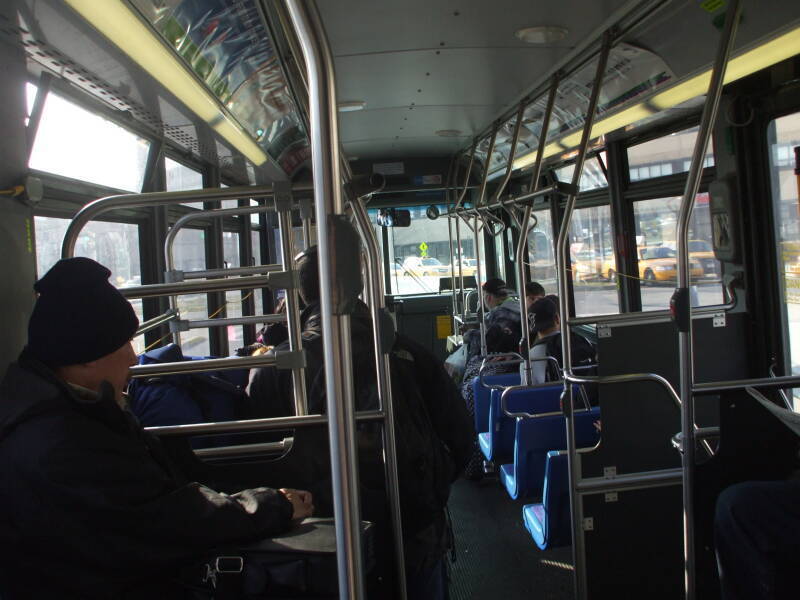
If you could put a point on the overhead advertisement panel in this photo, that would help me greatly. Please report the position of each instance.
(227, 46)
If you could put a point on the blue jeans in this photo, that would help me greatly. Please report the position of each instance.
(429, 584)
(757, 537)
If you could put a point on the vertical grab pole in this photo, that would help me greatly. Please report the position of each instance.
(458, 230)
(477, 232)
(522, 246)
(377, 305)
(578, 549)
(283, 204)
(452, 175)
(336, 341)
(511, 153)
(681, 302)
(306, 211)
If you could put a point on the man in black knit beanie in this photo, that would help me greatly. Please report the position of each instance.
(91, 506)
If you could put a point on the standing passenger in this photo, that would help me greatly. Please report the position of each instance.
(90, 504)
(421, 392)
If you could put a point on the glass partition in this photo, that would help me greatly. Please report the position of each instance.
(541, 252)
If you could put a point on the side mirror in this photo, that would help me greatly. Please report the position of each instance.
(394, 217)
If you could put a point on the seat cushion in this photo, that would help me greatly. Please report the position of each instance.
(535, 517)
(509, 479)
(485, 442)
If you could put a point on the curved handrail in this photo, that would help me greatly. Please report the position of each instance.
(536, 386)
(102, 205)
(628, 378)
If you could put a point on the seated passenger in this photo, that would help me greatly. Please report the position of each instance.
(757, 538)
(91, 506)
(505, 341)
(503, 312)
(533, 291)
(547, 343)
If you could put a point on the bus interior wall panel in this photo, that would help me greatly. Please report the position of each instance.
(643, 416)
(644, 529)
(18, 267)
(416, 318)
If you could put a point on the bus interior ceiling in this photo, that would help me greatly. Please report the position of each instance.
(422, 89)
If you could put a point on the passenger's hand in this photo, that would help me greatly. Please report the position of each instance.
(302, 502)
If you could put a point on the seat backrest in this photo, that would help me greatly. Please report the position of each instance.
(502, 427)
(481, 395)
(555, 499)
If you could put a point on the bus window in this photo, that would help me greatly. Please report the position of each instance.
(180, 177)
(592, 258)
(115, 245)
(592, 177)
(666, 155)
(784, 136)
(541, 254)
(256, 245)
(190, 255)
(230, 244)
(75, 143)
(657, 252)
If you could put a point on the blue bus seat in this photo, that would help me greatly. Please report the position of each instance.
(549, 522)
(497, 442)
(481, 395)
(533, 439)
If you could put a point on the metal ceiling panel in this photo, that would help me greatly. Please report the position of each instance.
(428, 66)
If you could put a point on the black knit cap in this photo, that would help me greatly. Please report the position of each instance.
(496, 287)
(79, 316)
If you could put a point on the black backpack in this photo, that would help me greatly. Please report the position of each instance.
(584, 355)
(425, 466)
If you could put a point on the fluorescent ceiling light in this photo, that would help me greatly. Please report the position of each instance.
(761, 57)
(351, 105)
(121, 26)
(543, 34)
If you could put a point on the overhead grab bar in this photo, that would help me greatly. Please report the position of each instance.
(562, 256)
(681, 298)
(522, 244)
(336, 343)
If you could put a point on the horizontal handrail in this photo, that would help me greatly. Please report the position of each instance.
(517, 360)
(251, 425)
(233, 271)
(630, 378)
(657, 315)
(246, 449)
(208, 364)
(630, 481)
(151, 324)
(714, 387)
(526, 415)
(155, 290)
(102, 205)
(246, 320)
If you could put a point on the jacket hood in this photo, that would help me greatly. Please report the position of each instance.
(28, 389)
(511, 304)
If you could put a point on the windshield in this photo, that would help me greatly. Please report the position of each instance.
(699, 246)
(430, 262)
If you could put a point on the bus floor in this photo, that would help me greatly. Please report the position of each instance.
(495, 556)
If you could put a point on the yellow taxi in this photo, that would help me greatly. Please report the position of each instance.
(702, 252)
(660, 263)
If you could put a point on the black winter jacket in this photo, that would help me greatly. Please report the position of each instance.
(90, 505)
(272, 390)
